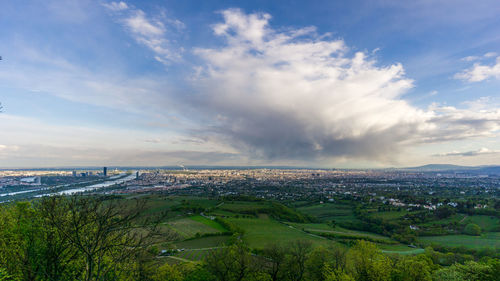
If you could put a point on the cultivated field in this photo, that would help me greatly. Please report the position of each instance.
(489, 240)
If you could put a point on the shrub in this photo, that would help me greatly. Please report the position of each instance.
(472, 229)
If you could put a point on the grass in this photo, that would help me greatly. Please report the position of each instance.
(455, 218)
(244, 206)
(391, 215)
(198, 201)
(195, 255)
(400, 249)
(203, 242)
(188, 228)
(260, 233)
(321, 227)
(208, 222)
(330, 211)
(488, 240)
(222, 213)
(487, 223)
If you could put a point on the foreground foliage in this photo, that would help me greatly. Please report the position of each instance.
(93, 238)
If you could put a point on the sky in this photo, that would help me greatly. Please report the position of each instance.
(332, 84)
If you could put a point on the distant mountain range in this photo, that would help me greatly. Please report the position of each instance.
(483, 170)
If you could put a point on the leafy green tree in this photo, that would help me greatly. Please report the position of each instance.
(275, 255)
(447, 274)
(21, 241)
(104, 235)
(473, 271)
(367, 263)
(168, 272)
(196, 272)
(296, 259)
(418, 268)
(444, 212)
(316, 263)
(472, 229)
(232, 263)
(4, 276)
(331, 274)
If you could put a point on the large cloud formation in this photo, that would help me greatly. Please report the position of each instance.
(295, 94)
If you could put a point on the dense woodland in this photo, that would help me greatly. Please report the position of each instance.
(97, 238)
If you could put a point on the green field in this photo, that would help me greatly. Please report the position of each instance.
(263, 230)
(457, 218)
(188, 227)
(392, 215)
(330, 211)
(400, 249)
(192, 255)
(244, 206)
(197, 249)
(260, 233)
(487, 223)
(489, 240)
(203, 242)
(198, 201)
(209, 222)
(320, 227)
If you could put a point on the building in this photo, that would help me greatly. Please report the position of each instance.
(105, 171)
(32, 180)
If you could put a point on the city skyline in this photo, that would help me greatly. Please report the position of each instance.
(352, 84)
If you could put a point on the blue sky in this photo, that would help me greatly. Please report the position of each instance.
(316, 83)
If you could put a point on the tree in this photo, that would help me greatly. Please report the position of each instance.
(331, 274)
(296, 259)
(4, 276)
(317, 261)
(474, 271)
(367, 263)
(472, 229)
(232, 263)
(275, 255)
(444, 212)
(168, 272)
(416, 268)
(105, 234)
(447, 274)
(21, 241)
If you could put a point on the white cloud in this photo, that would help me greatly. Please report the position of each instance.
(116, 6)
(480, 151)
(296, 95)
(150, 32)
(490, 55)
(483, 104)
(470, 58)
(140, 25)
(480, 72)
